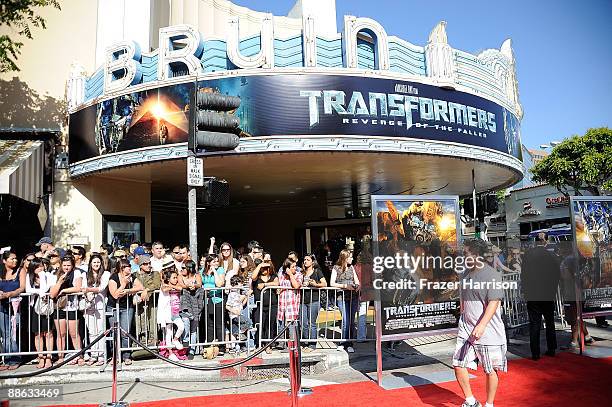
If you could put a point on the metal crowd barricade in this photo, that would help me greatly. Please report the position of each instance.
(212, 322)
(514, 306)
(27, 328)
(320, 316)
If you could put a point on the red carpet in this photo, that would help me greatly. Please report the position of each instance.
(566, 380)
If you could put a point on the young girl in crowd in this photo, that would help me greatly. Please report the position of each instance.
(168, 310)
(66, 283)
(234, 305)
(289, 296)
(94, 289)
(192, 302)
(344, 276)
(37, 283)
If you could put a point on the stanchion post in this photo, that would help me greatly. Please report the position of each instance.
(116, 355)
(293, 379)
(116, 344)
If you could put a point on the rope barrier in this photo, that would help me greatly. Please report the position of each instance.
(57, 366)
(207, 368)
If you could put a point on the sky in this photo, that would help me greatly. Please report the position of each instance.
(563, 50)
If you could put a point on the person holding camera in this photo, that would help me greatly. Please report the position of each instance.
(313, 282)
(345, 277)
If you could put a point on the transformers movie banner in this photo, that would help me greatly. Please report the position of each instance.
(416, 267)
(592, 226)
(295, 105)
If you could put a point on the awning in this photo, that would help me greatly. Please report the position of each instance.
(21, 169)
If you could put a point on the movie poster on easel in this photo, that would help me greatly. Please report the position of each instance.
(592, 227)
(416, 242)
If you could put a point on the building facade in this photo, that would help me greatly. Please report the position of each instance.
(326, 117)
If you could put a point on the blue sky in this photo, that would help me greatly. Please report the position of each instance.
(563, 50)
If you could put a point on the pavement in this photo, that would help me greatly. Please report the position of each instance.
(408, 363)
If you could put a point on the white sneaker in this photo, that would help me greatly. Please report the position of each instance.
(177, 344)
(174, 358)
(350, 349)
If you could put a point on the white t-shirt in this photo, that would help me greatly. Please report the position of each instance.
(474, 302)
(43, 288)
(99, 299)
(157, 264)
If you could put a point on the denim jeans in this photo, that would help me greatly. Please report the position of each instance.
(361, 324)
(190, 334)
(125, 321)
(308, 319)
(348, 304)
(9, 344)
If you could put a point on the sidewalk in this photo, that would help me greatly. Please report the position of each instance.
(412, 363)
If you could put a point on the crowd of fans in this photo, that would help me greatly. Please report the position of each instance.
(224, 300)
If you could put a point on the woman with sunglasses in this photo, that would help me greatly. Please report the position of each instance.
(12, 284)
(66, 283)
(120, 304)
(37, 284)
(94, 289)
(313, 281)
(227, 260)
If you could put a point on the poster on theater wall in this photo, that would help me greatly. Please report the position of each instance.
(592, 228)
(416, 246)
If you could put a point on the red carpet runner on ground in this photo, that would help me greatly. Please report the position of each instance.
(565, 380)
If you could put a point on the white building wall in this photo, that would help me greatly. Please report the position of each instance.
(120, 20)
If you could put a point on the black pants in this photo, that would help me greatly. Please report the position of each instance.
(536, 310)
(214, 317)
(267, 326)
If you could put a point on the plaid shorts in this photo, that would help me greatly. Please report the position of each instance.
(491, 357)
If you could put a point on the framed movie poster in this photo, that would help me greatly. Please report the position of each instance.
(122, 231)
(592, 228)
(416, 264)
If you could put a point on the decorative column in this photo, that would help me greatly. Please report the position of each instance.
(439, 59)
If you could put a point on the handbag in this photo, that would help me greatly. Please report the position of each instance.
(62, 301)
(43, 306)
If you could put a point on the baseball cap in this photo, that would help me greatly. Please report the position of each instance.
(45, 239)
(139, 251)
(143, 258)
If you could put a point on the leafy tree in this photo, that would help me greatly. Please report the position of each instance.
(18, 16)
(580, 163)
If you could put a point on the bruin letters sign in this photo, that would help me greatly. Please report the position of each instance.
(182, 46)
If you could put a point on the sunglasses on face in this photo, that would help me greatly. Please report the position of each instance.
(30, 258)
(145, 264)
(227, 249)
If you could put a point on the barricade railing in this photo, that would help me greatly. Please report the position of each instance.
(322, 315)
(514, 306)
(58, 332)
(118, 333)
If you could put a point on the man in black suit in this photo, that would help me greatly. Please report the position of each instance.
(540, 279)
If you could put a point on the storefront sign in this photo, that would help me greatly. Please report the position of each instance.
(557, 201)
(295, 105)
